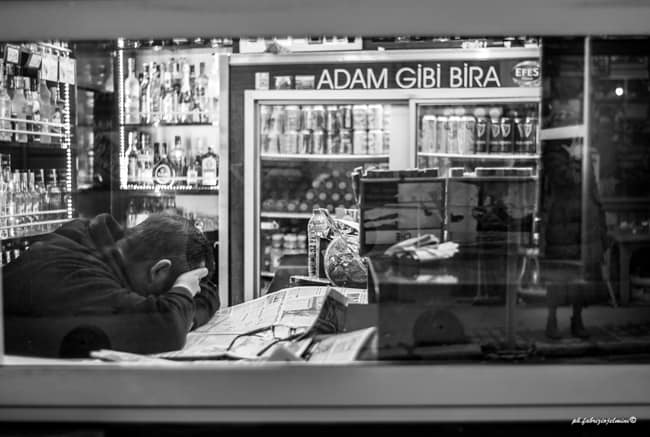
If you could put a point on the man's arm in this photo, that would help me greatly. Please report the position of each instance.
(206, 303)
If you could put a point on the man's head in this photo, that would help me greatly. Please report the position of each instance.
(160, 249)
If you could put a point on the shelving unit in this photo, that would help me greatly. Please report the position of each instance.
(326, 158)
(484, 156)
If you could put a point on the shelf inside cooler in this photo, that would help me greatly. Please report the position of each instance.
(308, 157)
(483, 156)
(154, 189)
(163, 124)
(286, 215)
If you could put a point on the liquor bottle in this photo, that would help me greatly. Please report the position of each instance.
(201, 94)
(45, 103)
(44, 193)
(57, 114)
(29, 108)
(132, 158)
(34, 196)
(12, 207)
(5, 107)
(55, 194)
(131, 95)
(177, 157)
(131, 215)
(145, 95)
(194, 114)
(176, 73)
(209, 168)
(19, 109)
(35, 105)
(163, 171)
(185, 95)
(213, 91)
(155, 93)
(193, 166)
(167, 97)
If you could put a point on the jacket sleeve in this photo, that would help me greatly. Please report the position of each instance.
(206, 303)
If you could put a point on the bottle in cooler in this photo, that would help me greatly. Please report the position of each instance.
(441, 133)
(386, 142)
(304, 142)
(375, 142)
(375, 117)
(530, 131)
(278, 117)
(271, 142)
(318, 139)
(292, 118)
(346, 141)
(453, 123)
(265, 118)
(428, 139)
(360, 142)
(345, 116)
(360, 117)
(333, 144)
(276, 250)
(519, 134)
(316, 228)
(319, 117)
(507, 134)
(387, 116)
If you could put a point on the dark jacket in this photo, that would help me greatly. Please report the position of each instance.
(75, 278)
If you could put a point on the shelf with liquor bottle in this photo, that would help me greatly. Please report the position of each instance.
(172, 103)
(36, 175)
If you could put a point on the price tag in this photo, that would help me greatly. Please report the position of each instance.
(67, 70)
(50, 66)
(34, 61)
(12, 54)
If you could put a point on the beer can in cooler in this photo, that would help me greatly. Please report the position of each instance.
(519, 135)
(345, 116)
(346, 141)
(507, 134)
(453, 123)
(387, 115)
(429, 133)
(482, 134)
(441, 134)
(278, 117)
(360, 142)
(319, 117)
(308, 121)
(375, 142)
(386, 150)
(332, 123)
(271, 142)
(360, 117)
(467, 134)
(375, 117)
(494, 137)
(333, 144)
(304, 142)
(293, 118)
(289, 142)
(530, 131)
(265, 118)
(318, 141)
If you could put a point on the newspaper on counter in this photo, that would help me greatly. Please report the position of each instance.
(340, 348)
(251, 329)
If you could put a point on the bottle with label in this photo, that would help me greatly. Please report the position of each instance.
(167, 96)
(145, 95)
(316, 229)
(5, 107)
(177, 157)
(193, 166)
(209, 168)
(132, 158)
(155, 94)
(194, 116)
(35, 106)
(185, 95)
(163, 171)
(57, 114)
(29, 108)
(45, 103)
(19, 109)
(202, 84)
(131, 95)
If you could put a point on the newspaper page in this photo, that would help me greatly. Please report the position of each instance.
(340, 348)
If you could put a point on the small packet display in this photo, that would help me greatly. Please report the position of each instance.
(423, 249)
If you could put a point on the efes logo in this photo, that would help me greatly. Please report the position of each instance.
(527, 73)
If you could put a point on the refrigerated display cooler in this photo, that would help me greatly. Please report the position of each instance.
(172, 106)
(309, 120)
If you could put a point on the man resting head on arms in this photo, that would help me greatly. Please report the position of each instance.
(139, 290)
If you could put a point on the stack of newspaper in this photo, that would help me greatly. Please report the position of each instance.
(292, 324)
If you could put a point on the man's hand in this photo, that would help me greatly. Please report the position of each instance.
(191, 280)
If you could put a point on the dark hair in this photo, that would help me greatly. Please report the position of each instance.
(171, 236)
